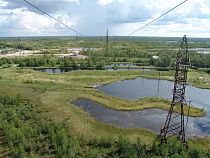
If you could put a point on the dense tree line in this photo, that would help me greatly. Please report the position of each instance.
(30, 134)
(166, 58)
(131, 50)
(49, 61)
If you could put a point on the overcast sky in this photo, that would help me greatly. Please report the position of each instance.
(93, 17)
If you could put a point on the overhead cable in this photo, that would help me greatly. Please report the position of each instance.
(131, 126)
(80, 133)
(157, 18)
(53, 18)
(23, 108)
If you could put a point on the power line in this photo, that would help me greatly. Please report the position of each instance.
(157, 18)
(23, 108)
(107, 33)
(83, 124)
(131, 125)
(53, 18)
(107, 13)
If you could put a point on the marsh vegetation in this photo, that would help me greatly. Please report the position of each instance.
(52, 126)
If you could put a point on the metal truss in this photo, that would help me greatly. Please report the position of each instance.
(174, 124)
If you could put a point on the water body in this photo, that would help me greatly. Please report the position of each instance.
(124, 69)
(204, 52)
(199, 50)
(120, 118)
(55, 71)
(124, 65)
(141, 87)
(196, 49)
(152, 119)
(63, 70)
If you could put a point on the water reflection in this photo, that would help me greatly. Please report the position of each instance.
(204, 52)
(62, 70)
(123, 65)
(152, 119)
(55, 70)
(142, 87)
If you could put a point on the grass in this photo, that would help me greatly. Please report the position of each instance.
(199, 79)
(202, 142)
(59, 107)
(65, 88)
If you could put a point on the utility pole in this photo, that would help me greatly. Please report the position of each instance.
(174, 124)
(18, 45)
(107, 44)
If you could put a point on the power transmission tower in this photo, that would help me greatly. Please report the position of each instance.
(107, 43)
(174, 124)
(18, 45)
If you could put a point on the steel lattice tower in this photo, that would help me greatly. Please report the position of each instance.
(18, 45)
(107, 43)
(174, 124)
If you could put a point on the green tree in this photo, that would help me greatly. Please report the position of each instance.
(67, 62)
(21, 151)
(75, 65)
(83, 65)
(195, 152)
(90, 64)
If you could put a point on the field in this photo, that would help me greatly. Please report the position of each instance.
(52, 96)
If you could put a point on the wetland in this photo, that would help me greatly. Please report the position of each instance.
(65, 107)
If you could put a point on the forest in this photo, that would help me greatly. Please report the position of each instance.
(132, 50)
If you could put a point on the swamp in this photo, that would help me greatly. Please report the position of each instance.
(59, 97)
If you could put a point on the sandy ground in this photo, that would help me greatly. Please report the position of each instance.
(21, 53)
(26, 53)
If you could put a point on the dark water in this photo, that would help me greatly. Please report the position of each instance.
(55, 71)
(199, 50)
(62, 70)
(152, 119)
(142, 87)
(121, 118)
(124, 65)
(123, 69)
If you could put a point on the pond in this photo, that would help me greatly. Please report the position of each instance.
(199, 50)
(123, 65)
(63, 70)
(204, 52)
(55, 70)
(142, 87)
(152, 119)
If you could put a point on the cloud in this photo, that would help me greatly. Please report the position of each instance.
(89, 17)
(104, 2)
(49, 6)
(3, 4)
(20, 22)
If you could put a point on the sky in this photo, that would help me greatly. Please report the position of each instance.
(94, 17)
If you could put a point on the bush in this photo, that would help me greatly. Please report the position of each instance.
(195, 152)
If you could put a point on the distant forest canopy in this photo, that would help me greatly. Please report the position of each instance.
(139, 50)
